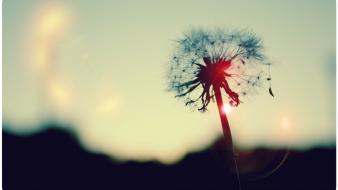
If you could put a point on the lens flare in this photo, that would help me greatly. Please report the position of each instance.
(41, 56)
(52, 21)
(227, 108)
(58, 93)
(49, 24)
(107, 105)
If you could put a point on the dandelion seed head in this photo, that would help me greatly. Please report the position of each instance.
(205, 59)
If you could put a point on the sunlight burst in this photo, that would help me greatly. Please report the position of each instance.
(227, 108)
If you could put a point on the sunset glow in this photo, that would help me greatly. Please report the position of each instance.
(101, 66)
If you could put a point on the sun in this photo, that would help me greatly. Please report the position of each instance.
(227, 108)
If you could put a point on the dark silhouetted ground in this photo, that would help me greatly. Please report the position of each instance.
(53, 159)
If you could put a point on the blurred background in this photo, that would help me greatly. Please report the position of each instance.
(84, 96)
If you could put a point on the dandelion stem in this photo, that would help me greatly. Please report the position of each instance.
(227, 135)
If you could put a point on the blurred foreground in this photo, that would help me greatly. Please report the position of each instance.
(53, 159)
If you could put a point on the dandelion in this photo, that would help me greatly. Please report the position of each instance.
(205, 63)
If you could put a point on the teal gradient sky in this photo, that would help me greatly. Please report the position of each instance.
(105, 68)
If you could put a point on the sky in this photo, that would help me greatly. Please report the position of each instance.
(101, 66)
